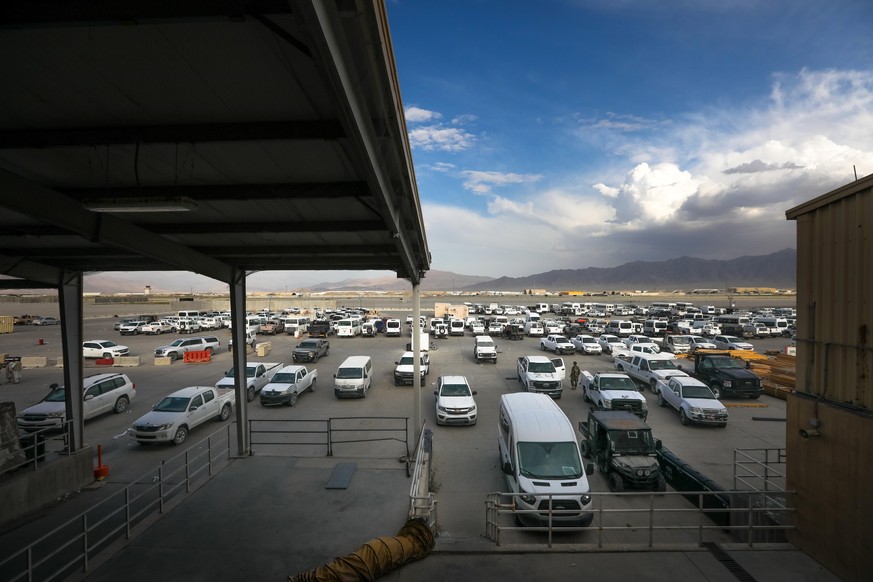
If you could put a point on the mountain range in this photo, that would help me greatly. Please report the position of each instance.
(777, 269)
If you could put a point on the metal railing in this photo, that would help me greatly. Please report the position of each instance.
(36, 446)
(760, 469)
(74, 546)
(642, 520)
(323, 435)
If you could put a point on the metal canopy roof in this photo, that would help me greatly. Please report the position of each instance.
(274, 128)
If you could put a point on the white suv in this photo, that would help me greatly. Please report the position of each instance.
(484, 349)
(103, 392)
(454, 401)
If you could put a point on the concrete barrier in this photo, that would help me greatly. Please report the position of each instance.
(34, 361)
(163, 361)
(264, 349)
(27, 490)
(128, 361)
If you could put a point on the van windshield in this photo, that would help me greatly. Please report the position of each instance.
(349, 373)
(549, 460)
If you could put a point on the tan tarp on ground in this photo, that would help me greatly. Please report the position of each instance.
(376, 557)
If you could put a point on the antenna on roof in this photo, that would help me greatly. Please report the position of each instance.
(855, 170)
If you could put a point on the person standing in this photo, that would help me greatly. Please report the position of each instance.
(14, 371)
(574, 375)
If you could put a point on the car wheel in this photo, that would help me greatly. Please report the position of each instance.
(312, 386)
(121, 404)
(716, 391)
(543, 347)
(225, 413)
(616, 483)
(181, 435)
(107, 355)
(754, 396)
(653, 386)
(661, 401)
(585, 396)
(292, 400)
(173, 356)
(250, 394)
(208, 351)
(661, 484)
(683, 418)
(586, 450)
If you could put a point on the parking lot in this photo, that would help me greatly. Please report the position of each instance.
(466, 458)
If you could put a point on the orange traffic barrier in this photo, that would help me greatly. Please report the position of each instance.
(198, 357)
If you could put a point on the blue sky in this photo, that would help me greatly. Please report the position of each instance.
(577, 133)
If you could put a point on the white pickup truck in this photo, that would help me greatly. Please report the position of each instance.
(647, 369)
(287, 385)
(171, 419)
(694, 401)
(539, 374)
(258, 375)
(613, 391)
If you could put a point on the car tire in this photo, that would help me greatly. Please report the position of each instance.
(292, 400)
(225, 413)
(312, 386)
(616, 483)
(716, 390)
(661, 483)
(107, 355)
(208, 351)
(661, 402)
(180, 436)
(754, 396)
(683, 418)
(121, 404)
(173, 356)
(250, 394)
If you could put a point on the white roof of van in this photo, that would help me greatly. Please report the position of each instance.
(536, 417)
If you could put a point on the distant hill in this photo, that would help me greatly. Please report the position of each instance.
(778, 270)
(774, 270)
(433, 281)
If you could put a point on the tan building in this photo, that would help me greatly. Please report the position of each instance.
(449, 311)
(830, 423)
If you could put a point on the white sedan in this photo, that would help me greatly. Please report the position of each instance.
(103, 349)
(730, 342)
(611, 342)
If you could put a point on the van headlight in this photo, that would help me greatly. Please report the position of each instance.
(585, 499)
(529, 499)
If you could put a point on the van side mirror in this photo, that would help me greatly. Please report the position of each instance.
(589, 468)
(658, 444)
(474, 393)
(507, 468)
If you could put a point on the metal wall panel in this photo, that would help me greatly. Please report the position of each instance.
(835, 296)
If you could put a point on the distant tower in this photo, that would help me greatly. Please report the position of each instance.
(148, 289)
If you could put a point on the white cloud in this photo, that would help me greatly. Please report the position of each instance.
(481, 182)
(419, 115)
(439, 138)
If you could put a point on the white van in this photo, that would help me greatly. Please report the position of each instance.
(392, 328)
(539, 456)
(534, 329)
(655, 327)
(350, 327)
(531, 316)
(620, 327)
(190, 313)
(456, 327)
(353, 377)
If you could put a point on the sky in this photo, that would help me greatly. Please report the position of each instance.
(565, 134)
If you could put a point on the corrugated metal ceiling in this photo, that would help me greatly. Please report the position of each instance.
(279, 124)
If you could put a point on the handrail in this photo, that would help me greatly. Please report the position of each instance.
(116, 517)
(35, 452)
(757, 506)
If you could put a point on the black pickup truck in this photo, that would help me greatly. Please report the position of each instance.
(726, 375)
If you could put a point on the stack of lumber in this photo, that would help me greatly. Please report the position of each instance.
(777, 374)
